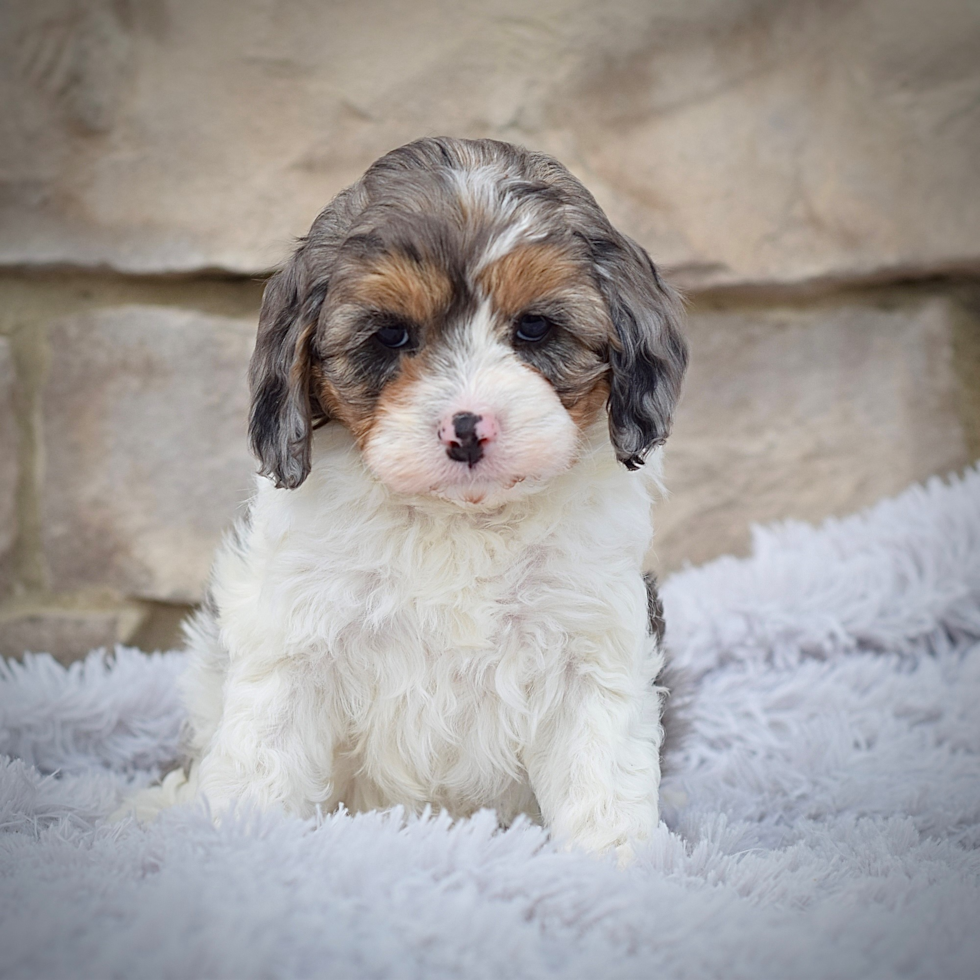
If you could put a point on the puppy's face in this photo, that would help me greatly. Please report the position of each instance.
(464, 369)
(466, 311)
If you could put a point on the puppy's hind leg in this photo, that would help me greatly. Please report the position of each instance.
(201, 685)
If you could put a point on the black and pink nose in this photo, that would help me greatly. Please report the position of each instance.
(465, 436)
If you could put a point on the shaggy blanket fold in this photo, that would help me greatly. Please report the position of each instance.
(821, 804)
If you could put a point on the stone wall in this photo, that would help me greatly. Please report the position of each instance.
(806, 171)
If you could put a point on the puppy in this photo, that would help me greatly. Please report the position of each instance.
(436, 597)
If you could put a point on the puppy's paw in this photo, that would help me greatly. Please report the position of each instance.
(625, 855)
(620, 829)
(625, 851)
(146, 804)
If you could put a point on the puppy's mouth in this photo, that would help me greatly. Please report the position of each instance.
(476, 481)
(503, 487)
(475, 493)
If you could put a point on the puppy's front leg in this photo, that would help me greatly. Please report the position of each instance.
(273, 747)
(595, 767)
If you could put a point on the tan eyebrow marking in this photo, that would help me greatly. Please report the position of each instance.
(418, 291)
(526, 274)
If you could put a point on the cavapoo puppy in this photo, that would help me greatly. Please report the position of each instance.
(436, 597)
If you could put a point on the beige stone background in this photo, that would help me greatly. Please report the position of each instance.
(806, 170)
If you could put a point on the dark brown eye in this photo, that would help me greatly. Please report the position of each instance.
(532, 327)
(394, 336)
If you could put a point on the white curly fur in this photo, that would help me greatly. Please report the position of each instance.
(373, 650)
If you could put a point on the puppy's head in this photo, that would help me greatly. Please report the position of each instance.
(466, 310)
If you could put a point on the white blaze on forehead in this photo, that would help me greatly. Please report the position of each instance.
(506, 240)
(485, 189)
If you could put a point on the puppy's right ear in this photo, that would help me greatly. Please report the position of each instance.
(280, 424)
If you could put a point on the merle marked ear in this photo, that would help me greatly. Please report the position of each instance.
(280, 424)
(649, 357)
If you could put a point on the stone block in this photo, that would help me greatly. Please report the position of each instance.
(9, 465)
(806, 412)
(66, 635)
(741, 142)
(146, 461)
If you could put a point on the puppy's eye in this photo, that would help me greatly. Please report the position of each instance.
(395, 336)
(532, 327)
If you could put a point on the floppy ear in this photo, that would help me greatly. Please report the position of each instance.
(280, 422)
(649, 355)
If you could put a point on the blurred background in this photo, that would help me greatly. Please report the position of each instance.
(807, 171)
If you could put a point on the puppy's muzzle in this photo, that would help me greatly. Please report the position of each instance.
(466, 435)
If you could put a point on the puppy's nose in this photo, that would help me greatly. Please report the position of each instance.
(465, 434)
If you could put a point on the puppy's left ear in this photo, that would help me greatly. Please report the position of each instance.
(648, 355)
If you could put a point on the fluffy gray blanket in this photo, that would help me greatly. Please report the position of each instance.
(821, 803)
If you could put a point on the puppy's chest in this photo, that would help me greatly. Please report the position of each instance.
(447, 622)
(456, 652)
(450, 622)
(431, 622)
